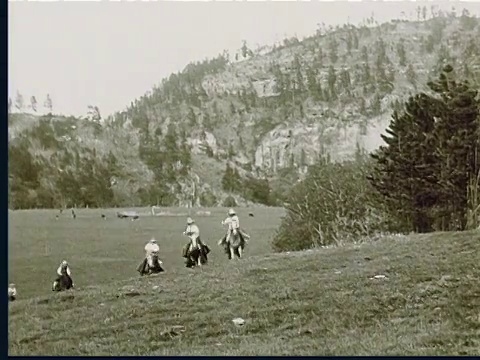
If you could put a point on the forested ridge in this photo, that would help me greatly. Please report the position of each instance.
(245, 127)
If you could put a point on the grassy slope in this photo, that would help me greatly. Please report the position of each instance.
(310, 303)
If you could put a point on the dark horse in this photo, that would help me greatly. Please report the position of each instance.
(145, 269)
(62, 282)
(235, 245)
(196, 253)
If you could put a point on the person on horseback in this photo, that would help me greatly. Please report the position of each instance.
(12, 292)
(151, 249)
(233, 223)
(64, 270)
(193, 232)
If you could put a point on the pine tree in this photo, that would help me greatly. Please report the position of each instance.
(19, 103)
(33, 103)
(332, 78)
(457, 133)
(406, 167)
(48, 103)
(230, 179)
(402, 56)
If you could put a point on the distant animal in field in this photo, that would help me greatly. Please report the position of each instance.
(127, 214)
(104, 217)
(251, 214)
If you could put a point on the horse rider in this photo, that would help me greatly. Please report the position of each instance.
(12, 292)
(193, 232)
(64, 268)
(233, 223)
(151, 249)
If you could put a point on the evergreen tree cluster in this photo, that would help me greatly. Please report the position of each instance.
(428, 171)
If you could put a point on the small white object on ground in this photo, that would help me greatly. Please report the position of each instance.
(379, 277)
(155, 287)
(238, 321)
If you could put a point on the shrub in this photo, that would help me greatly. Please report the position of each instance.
(229, 202)
(334, 204)
(208, 199)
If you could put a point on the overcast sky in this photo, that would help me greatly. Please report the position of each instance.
(109, 53)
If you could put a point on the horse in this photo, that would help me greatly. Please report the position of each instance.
(235, 246)
(145, 269)
(196, 253)
(62, 282)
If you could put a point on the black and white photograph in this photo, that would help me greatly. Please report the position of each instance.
(243, 178)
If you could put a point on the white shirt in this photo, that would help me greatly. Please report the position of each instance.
(192, 231)
(12, 291)
(232, 222)
(152, 248)
(59, 271)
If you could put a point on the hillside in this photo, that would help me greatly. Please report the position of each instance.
(265, 114)
(329, 305)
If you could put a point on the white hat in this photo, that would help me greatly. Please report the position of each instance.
(231, 212)
(152, 241)
(190, 221)
(64, 262)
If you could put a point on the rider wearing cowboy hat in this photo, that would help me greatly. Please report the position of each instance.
(151, 248)
(12, 292)
(233, 223)
(65, 267)
(193, 232)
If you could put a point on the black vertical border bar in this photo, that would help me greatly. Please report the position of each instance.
(4, 176)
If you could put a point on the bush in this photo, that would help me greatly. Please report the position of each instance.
(208, 199)
(229, 202)
(334, 204)
(258, 191)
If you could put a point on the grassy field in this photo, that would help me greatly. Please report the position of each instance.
(320, 302)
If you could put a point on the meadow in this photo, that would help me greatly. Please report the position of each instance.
(317, 302)
(100, 251)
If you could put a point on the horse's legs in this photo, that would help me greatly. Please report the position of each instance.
(232, 252)
(199, 257)
(240, 250)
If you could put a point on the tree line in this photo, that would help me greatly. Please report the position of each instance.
(20, 103)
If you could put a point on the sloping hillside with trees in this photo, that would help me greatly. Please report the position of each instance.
(241, 127)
